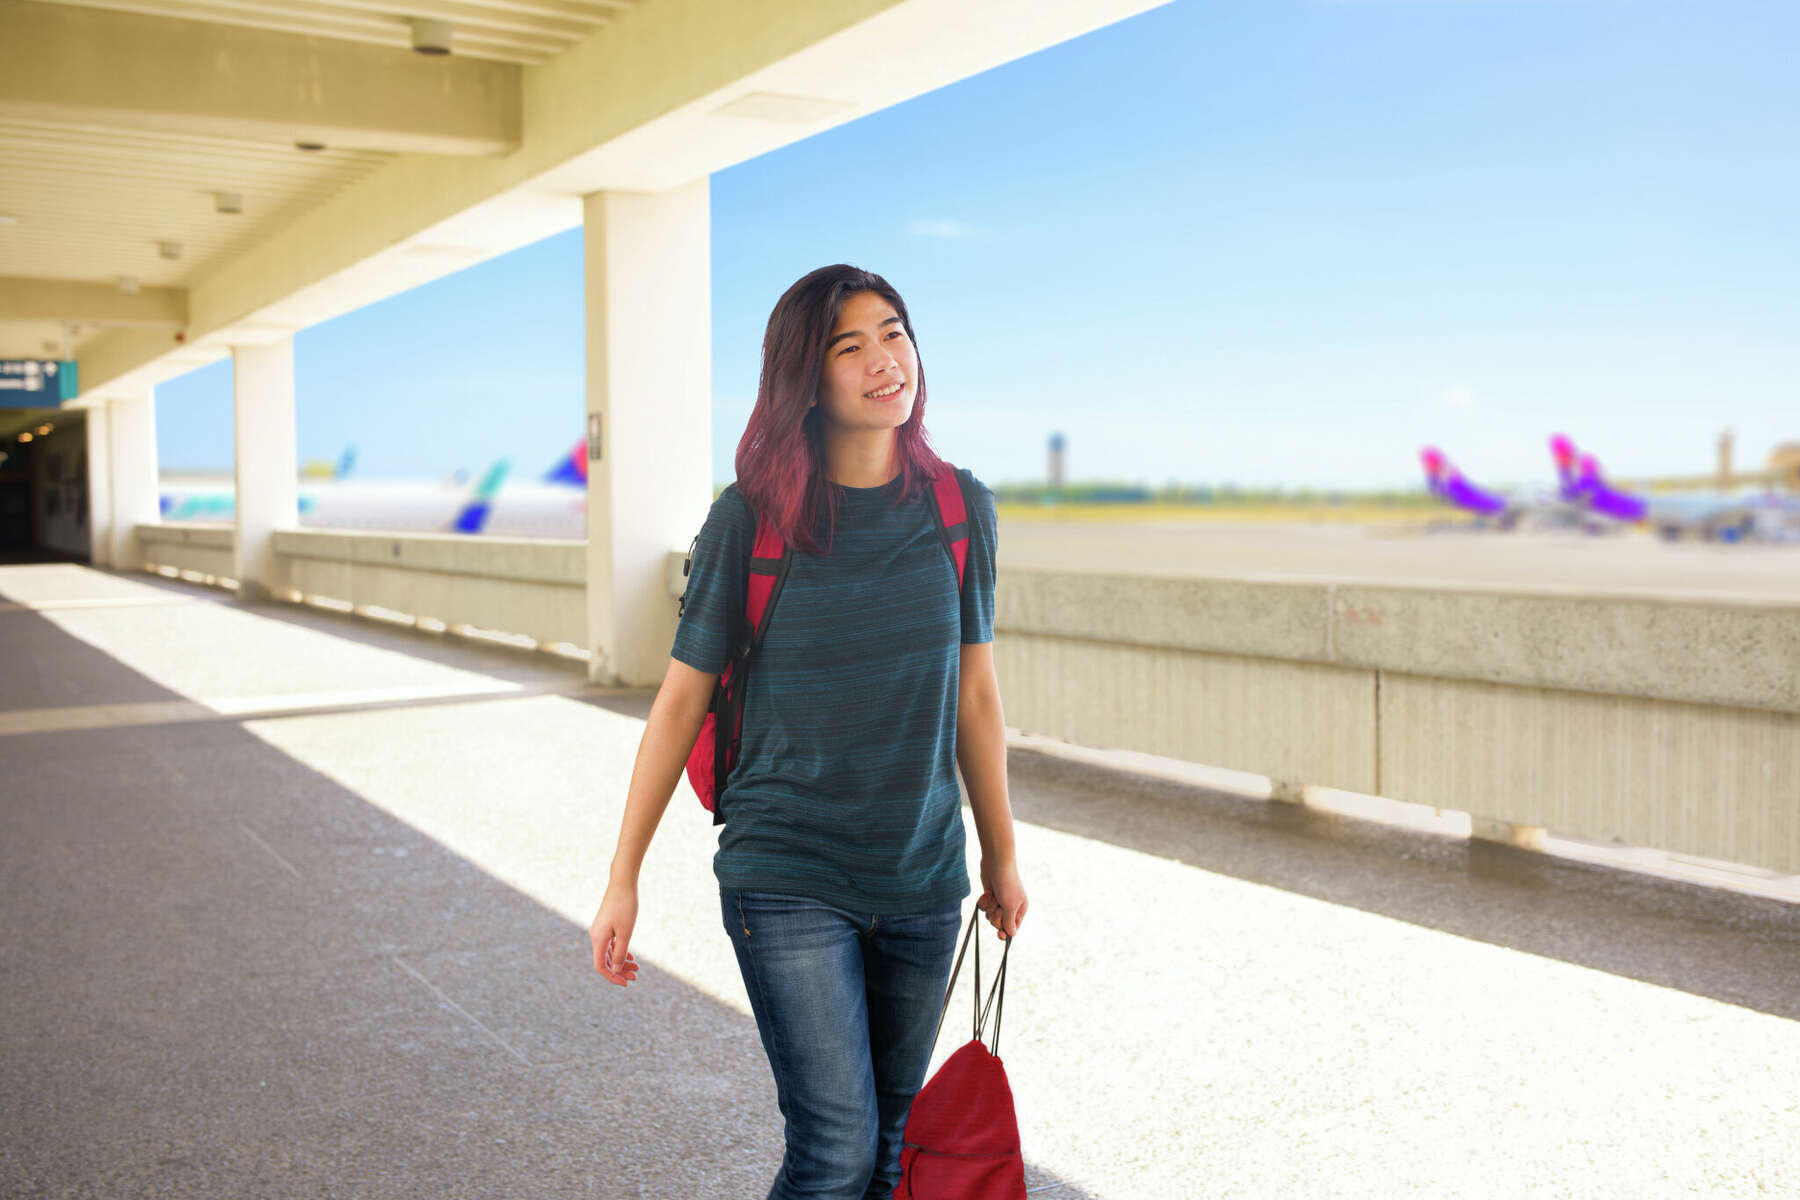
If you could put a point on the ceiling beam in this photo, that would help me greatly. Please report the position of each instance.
(23, 299)
(665, 93)
(92, 66)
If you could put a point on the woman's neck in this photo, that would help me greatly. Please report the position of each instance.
(862, 458)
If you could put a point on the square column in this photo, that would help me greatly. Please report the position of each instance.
(131, 444)
(649, 416)
(268, 472)
(99, 484)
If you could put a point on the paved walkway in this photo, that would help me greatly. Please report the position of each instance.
(295, 905)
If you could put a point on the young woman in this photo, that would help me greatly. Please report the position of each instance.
(841, 861)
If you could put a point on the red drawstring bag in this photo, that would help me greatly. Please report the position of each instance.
(962, 1135)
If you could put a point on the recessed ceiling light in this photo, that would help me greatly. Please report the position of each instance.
(309, 146)
(8, 219)
(128, 284)
(169, 248)
(228, 202)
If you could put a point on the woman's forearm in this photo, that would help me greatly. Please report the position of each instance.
(981, 753)
(669, 734)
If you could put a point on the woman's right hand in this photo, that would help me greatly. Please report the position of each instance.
(611, 934)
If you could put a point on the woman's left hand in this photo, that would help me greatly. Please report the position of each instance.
(1003, 899)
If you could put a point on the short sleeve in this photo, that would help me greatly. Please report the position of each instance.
(715, 583)
(978, 570)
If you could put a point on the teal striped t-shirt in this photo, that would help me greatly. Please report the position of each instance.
(845, 787)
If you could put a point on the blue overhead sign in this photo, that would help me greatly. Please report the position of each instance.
(36, 382)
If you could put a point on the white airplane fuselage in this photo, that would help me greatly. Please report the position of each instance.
(519, 510)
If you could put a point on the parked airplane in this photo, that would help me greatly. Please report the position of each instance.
(1507, 510)
(1709, 515)
(1714, 516)
(1582, 483)
(1448, 484)
(1777, 518)
(554, 507)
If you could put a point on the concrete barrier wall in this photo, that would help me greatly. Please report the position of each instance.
(1713, 780)
(1726, 652)
(531, 586)
(1299, 721)
(535, 587)
(1666, 723)
(204, 549)
(1669, 723)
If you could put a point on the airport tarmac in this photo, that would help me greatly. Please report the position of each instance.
(1633, 563)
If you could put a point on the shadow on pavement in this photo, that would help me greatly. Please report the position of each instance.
(1742, 950)
(225, 975)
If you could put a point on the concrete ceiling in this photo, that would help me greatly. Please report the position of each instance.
(359, 168)
(107, 207)
(516, 31)
(146, 143)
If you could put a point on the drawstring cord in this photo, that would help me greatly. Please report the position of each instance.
(996, 1000)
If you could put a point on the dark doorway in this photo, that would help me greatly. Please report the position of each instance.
(16, 531)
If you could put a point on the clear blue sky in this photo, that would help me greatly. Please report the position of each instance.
(1252, 241)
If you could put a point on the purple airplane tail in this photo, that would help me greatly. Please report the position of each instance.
(1464, 494)
(1562, 449)
(1447, 483)
(1603, 498)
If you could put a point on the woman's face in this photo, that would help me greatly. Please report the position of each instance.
(867, 355)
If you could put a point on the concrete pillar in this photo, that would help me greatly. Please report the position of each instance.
(268, 473)
(131, 443)
(649, 417)
(99, 484)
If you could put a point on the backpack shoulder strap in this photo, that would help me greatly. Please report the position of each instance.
(770, 558)
(687, 562)
(951, 512)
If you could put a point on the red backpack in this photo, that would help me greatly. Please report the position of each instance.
(962, 1133)
(715, 751)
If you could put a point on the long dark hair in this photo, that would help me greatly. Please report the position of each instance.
(781, 457)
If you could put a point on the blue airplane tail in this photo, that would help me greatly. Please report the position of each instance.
(474, 514)
(571, 470)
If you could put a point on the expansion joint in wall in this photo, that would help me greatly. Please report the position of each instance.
(1376, 756)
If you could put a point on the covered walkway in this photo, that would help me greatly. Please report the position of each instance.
(295, 904)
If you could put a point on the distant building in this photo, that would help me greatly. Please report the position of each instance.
(1057, 443)
(1785, 458)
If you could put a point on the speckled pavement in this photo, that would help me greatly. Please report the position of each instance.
(295, 905)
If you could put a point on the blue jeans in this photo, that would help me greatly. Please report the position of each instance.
(846, 1004)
